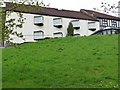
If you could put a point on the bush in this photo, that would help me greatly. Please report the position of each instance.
(70, 30)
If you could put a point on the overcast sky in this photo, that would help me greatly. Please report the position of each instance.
(77, 4)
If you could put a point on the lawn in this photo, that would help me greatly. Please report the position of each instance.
(71, 62)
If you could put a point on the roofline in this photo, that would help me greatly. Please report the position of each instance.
(54, 15)
(92, 18)
(87, 14)
(117, 18)
(110, 18)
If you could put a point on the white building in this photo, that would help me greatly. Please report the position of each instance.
(51, 22)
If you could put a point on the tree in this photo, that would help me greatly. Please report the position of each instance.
(8, 26)
(70, 30)
(108, 8)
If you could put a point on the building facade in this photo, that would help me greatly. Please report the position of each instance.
(106, 21)
(51, 23)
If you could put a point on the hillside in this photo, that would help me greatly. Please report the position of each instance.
(71, 62)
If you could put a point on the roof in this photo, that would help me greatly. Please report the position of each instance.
(50, 12)
(82, 14)
(100, 15)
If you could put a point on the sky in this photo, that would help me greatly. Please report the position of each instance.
(77, 4)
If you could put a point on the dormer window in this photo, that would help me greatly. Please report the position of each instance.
(57, 22)
(76, 24)
(92, 26)
(38, 20)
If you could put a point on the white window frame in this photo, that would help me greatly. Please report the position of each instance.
(57, 33)
(104, 22)
(74, 23)
(90, 27)
(37, 35)
(38, 19)
(113, 23)
(57, 20)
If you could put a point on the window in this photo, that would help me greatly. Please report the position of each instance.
(77, 34)
(38, 20)
(109, 31)
(58, 34)
(76, 24)
(114, 23)
(92, 26)
(57, 22)
(109, 23)
(38, 35)
(104, 32)
(118, 23)
(113, 31)
(105, 22)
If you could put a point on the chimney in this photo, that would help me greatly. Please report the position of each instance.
(119, 9)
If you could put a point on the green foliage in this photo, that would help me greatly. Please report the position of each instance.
(0, 24)
(70, 30)
(10, 24)
(70, 62)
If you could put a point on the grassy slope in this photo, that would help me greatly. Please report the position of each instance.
(64, 62)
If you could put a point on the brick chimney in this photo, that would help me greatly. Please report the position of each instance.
(119, 9)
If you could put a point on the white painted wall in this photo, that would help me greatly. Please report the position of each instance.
(48, 28)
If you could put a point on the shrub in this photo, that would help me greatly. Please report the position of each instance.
(70, 30)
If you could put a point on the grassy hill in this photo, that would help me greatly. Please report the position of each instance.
(71, 62)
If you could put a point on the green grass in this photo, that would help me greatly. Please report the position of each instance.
(71, 62)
